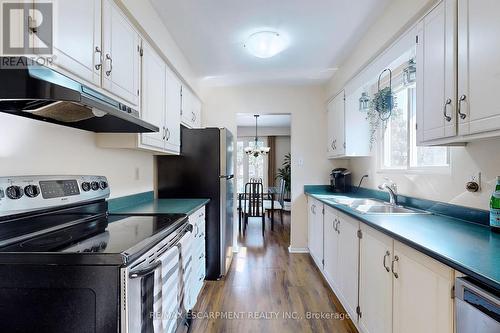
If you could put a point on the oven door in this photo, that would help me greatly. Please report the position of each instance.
(151, 289)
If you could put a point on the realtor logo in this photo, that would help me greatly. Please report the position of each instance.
(27, 28)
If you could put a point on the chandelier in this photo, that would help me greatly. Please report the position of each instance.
(256, 151)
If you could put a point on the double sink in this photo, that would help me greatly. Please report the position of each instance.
(374, 206)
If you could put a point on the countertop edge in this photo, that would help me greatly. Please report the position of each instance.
(443, 259)
(200, 202)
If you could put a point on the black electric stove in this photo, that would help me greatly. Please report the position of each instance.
(61, 253)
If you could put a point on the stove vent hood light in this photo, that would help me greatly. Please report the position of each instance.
(41, 93)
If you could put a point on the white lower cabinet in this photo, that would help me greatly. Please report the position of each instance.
(341, 252)
(422, 294)
(401, 289)
(331, 247)
(348, 262)
(315, 231)
(197, 219)
(384, 285)
(375, 281)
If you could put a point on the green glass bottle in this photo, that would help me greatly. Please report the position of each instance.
(495, 208)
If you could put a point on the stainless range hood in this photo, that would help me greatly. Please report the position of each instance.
(41, 93)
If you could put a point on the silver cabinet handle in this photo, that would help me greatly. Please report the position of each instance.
(193, 119)
(386, 255)
(396, 258)
(335, 224)
(167, 134)
(448, 102)
(98, 51)
(313, 209)
(337, 227)
(460, 100)
(164, 133)
(108, 57)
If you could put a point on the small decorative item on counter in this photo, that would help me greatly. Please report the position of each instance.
(495, 208)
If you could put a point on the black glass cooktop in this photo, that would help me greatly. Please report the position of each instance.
(125, 232)
(112, 234)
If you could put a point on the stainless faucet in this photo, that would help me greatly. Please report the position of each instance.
(392, 188)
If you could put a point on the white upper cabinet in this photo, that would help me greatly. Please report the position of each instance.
(375, 281)
(191, 109)
(348, 132)
(436, 75)
(77, 38)
(336, 126)
(478, 65)
(428, 308)
(173, 115)
(121, 54)
(154, 90)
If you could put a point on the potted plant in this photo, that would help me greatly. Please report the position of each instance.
(285, 173)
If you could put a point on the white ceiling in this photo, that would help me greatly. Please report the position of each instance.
(265, 120)
(211, 33)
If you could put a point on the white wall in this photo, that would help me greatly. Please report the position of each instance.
(308, 132)
(245, 131)
(283, 147)
(31, 147)
(481, 156)
(148, 18)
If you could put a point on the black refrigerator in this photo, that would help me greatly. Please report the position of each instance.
(205, 169)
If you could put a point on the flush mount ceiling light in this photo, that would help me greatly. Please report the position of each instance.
(265, 44)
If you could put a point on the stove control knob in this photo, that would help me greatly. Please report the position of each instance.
(14, 192)
(32, 191)
(94, 186)
(103, 185)
(86, 186)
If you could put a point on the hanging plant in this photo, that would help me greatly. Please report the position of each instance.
(381, 107)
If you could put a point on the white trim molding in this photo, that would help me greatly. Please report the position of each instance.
(298, 249)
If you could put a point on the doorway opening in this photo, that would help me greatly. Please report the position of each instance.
(263, 209)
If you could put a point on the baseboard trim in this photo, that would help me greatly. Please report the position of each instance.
(298, 249)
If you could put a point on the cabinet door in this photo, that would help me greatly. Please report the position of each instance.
(478, 65)
(173, 119)
(375, 281)
(153, 96)
(436, 78)
(196, 107)
(331, 247)
(121, 52)
(348, 262)
(336, 125)
(187, 107)
(316, 231)
(422, 295)
(331, 129)
(77, 38)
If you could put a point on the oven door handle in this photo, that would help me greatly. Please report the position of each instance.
(145, 271)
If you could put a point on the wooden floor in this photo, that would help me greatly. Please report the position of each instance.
(269, 290)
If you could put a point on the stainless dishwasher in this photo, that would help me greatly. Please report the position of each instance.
(477, 308)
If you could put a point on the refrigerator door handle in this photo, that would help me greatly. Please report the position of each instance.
(227, 177)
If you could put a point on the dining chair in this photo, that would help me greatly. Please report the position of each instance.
(272, 205)
(253, 204)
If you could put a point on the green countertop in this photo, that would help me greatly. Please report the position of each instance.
(161, 206)
(470, 248)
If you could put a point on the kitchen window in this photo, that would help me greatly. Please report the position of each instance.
(399, 150)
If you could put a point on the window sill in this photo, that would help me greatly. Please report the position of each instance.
(417, 171)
